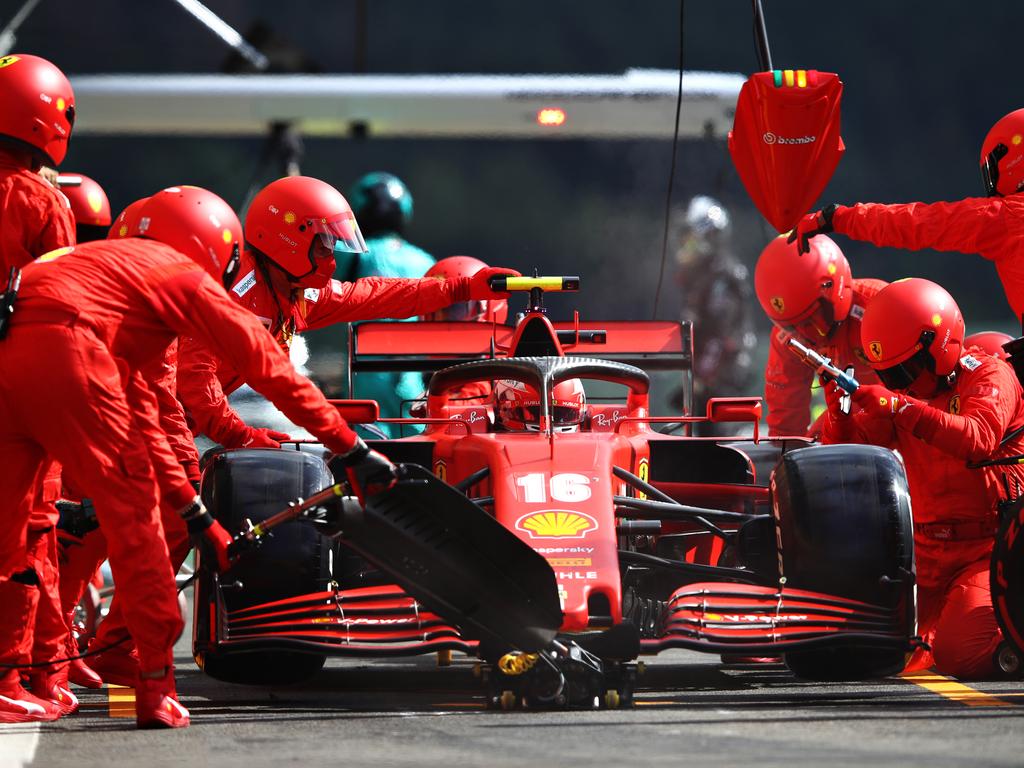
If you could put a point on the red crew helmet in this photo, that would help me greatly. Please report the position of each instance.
(517, 406)
(127, 222)
(909, 327)
(808, 295)
(298, 222)
(195, 222)
(990, 341)
(89, 203)
(38, 109)
(1002, 156)
(486, 311)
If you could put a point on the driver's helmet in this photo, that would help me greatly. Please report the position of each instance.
(517, 406)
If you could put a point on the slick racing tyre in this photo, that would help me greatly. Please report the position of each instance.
(253, 484)
(845, 529)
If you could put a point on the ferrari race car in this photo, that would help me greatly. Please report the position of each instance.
(558, 558)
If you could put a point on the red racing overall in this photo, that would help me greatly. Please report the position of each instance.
(34, 218)
(992, 227)
(132, 297)
(204, 380)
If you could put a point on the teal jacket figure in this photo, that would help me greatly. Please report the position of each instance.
(383, 207)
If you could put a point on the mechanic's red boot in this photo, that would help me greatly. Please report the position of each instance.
(83, 675)
(47, 684)
(19, 706)
(118, 665)
(156, 703)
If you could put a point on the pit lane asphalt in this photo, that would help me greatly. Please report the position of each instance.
(690, 710)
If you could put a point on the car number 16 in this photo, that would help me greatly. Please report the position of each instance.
(565, 487)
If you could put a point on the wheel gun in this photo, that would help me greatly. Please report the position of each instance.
(824, 368)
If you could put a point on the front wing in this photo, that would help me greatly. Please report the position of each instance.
(729, 618)
(711, 617)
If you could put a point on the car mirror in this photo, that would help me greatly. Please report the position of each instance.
(357, 411)
(734, 409)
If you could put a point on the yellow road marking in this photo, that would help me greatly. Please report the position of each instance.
(120, 701)
(950, 689)
(653, 702)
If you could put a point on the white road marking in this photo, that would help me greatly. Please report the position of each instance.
(18, 744)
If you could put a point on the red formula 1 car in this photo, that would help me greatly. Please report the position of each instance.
(653, 539)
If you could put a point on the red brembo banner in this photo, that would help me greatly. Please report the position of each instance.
(785, 140)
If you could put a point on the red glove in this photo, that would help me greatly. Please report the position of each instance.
(818, 223)
(480, 283)
(208, 536)
(836, 426)
(369, 473)
(879, 402)
(833, 399)
(264, 438)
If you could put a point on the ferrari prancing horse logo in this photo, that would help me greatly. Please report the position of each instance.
(875, 348)
(954, 405)
(778, 304)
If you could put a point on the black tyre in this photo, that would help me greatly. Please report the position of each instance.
(253, 484)
(845, 526)
(1007, 581)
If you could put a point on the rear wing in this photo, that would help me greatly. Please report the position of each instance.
(657, 345)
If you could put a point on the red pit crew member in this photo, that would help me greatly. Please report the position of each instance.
(104, 310)
(479, 310)
(990, 341)
(289, 288)
(947, 411)
(816, 299)
(90, 208)
(115, 656)
(992, 227)
(35, 125)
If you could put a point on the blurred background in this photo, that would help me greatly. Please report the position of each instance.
(923, 83)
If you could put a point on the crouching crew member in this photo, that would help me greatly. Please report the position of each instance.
(947, 411)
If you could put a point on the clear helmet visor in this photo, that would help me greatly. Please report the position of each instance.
(340, 233)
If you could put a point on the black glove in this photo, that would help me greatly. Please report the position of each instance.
(812, 224)
(369, 473)
(208, 536)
